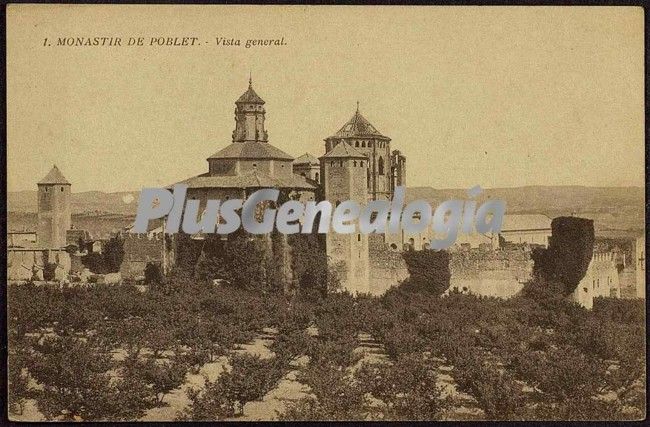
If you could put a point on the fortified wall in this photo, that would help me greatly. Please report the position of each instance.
(387, 266)
(27, 264)
(142, 249)
(498, 273)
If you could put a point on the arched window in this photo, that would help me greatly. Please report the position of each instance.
(341, 163)
(317, 176)
(356, 144)
(354, 163)
(381, 165)
(332, 164)
(363, 144)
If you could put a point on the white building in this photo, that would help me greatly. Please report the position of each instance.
(601, 280)
(533, 229)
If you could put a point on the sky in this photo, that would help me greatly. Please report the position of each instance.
(494, 96)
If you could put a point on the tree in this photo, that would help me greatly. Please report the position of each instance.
(309, 261)
(290, 343)
(240, 261)
(77, 383)
(335, 396)
(569, 252)
(495, 390)
(162, 376)
(250, 378)
(209, 404)
(428, 271)
(113, 254)
(130, 398)
(109, 261)
(18, 379)
(153, 274)
(49, 271)
(408, 388)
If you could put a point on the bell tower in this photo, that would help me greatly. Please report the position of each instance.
(54, 213)
(249, 117)
(360, 134)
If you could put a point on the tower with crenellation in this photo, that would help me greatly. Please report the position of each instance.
(344, 173)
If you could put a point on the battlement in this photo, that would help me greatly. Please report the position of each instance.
(143, 236)
(603, 257)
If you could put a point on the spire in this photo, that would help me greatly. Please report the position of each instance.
(358, 126)
(249, 97)
(250, 79)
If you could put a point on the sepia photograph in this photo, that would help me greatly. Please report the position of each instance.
(325, 213)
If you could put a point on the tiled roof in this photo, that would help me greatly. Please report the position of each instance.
(525, 222)
(250, 150)
(54, 177)
(249, 97)
(344, 150)
(306, 159)
(250, 179)
(358, 126)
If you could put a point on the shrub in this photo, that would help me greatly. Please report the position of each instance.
(76, 383)
(336, 396)
(408, 388)
(248, 379)
(18, 380)
(162, 376)
(495, 390)
(628, 311)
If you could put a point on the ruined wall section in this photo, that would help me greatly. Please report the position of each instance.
(24, 264)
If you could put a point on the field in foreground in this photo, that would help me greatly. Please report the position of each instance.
(190, 351)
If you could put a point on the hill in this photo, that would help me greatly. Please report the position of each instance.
(616, 211)
(124, 203)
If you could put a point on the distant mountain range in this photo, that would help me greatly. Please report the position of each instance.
(613, 208)
(124, 203)
(545, 199)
